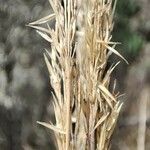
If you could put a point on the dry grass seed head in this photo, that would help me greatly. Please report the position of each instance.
(85, 110)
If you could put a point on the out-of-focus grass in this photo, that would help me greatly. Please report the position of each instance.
(132, 41)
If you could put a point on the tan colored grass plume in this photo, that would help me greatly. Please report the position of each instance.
(85, 109)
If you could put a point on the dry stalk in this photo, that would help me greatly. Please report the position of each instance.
(143, 101)
(85, 110)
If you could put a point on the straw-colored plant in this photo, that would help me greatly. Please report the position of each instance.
(86, 110)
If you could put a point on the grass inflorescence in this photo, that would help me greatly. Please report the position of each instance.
(85, 109)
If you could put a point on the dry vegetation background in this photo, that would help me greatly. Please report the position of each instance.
(24, 89)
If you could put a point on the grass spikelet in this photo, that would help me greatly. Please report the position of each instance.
(86, 111)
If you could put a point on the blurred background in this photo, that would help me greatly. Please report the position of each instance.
(24, 83)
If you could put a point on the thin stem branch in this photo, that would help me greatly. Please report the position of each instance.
(68, 101)
(142, 120)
